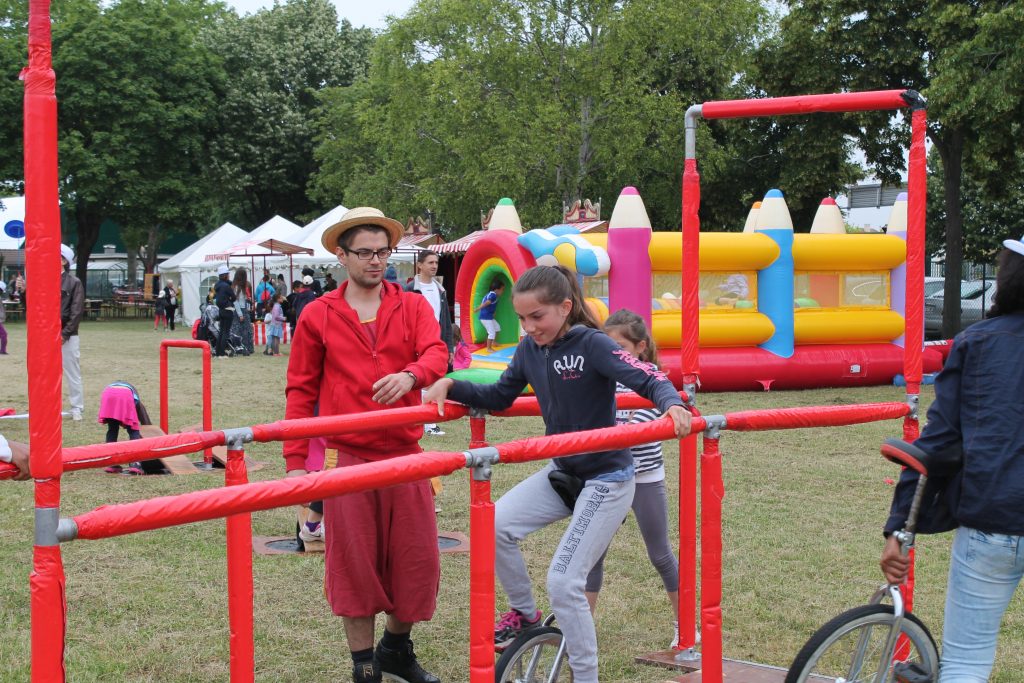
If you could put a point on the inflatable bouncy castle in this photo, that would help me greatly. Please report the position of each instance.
(777, 309)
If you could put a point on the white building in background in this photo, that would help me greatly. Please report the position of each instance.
(867, 205)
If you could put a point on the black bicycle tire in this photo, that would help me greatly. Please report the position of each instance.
(522, 644)
(826, 635)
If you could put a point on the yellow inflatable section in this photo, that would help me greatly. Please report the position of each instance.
(722, 251)
(847, 252)
(845, 326)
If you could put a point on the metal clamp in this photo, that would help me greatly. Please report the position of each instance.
(480, 460)
(914, 402)
(235, 438)
(691, 394)
(914, 100)
(67, 530)
(47, 521)
(690, 124)
(715, 424)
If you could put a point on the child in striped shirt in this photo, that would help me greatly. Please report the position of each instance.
(650, 503)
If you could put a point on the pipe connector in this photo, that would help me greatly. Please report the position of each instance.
(914, 100)
(67, 530)
(715, 425)
(235, 438)
(690, 389)
(47, 520)
(914, 403)
(480, 460)
(690, 122)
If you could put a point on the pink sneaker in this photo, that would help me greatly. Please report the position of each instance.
(510, 625)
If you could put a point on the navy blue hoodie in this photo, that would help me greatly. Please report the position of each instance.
(574, 380)
(979, 405)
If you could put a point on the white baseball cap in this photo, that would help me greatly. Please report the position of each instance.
(222, 270)
(1015, 245)
(307, 280)
(68, 254)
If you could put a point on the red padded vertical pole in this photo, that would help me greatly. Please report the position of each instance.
(481, 582)
(43, 271)
(207, 401)
(690, 362)
(687, 543)
(477, 431)
(711, 494)
(164, 391)
(240, 580)
(917, 200)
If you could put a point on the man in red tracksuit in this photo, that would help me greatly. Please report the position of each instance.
(366, 346)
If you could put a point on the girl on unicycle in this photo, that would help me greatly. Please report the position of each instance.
(573, 368)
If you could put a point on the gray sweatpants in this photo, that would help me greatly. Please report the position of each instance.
(650, 505)
(532, 504)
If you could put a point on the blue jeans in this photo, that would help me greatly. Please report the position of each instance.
(984, 571)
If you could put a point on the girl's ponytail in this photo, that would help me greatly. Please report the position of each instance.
(580, 314)
(554, 284)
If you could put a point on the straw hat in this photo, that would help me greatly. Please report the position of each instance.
(362, 215)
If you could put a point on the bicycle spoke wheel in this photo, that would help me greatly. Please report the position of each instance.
(533, 658)
(851, 649)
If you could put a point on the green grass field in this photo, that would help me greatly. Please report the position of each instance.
(802, 533)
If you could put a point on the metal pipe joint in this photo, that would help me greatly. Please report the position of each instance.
(480, 460)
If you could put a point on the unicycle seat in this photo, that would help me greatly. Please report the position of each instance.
(936, 464)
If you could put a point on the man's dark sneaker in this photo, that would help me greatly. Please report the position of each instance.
(402, 664)
(367, 672)
(510, 625)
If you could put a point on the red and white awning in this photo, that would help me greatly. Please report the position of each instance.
(458, 246)
(420, 240)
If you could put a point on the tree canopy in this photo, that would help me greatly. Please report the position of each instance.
(545, 102)
(964, 57)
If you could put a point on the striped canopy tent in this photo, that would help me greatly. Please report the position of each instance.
(459, 246)
(252, 250)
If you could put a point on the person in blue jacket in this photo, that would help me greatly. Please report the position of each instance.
(979, 408)
(565, 358)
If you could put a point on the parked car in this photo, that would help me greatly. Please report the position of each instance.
(976, 297)
(933, 285)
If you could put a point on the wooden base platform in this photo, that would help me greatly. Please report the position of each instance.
(733, 671)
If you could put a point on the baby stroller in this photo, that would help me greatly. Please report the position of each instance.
(208, 330)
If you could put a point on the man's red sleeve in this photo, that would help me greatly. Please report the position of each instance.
(431, 351)
(302, 391)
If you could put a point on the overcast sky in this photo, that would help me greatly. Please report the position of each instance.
(359, 12)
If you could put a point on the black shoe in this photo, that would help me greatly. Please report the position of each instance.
(368, 672)
(403, 664)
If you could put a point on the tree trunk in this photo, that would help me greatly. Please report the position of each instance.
(585, 153)
(152, 245)
(131, 251)
(88, 223)
(952, 163)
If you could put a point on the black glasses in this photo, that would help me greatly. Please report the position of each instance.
(367, 254)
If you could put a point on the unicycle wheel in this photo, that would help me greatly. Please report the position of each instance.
(535, 656)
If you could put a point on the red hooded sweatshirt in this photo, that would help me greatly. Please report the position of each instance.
(333, 361)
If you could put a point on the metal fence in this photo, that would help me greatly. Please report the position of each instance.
(977, 291)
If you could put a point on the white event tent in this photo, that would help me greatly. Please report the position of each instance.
(309, 237)
(190, 269)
